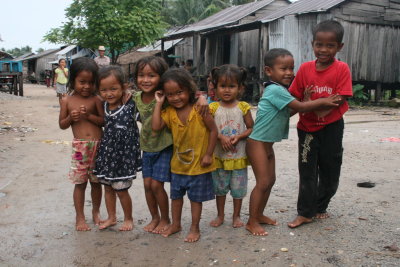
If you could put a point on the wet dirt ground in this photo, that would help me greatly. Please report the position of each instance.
(37, 212)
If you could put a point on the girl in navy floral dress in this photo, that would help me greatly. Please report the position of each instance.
(119, 156)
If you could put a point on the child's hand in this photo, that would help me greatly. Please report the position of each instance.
(83, 112)
(126, 95)
(206, 161)
(75, 115)
(160, 97)
(202, 106)
(226, 143)
(307, 93)
(234, 140)
(332, 101)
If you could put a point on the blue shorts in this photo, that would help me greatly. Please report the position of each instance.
(157, 165)
(198, 187)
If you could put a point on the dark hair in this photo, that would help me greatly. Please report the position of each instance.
(157, 64)
(112, 70)
(329, 26)
(231, 71)
(273, 54)
(79, 65)
(61, 59)
(183, 78)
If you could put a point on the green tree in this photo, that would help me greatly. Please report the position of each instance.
(40, 50)
(117, 24)
(16, 52)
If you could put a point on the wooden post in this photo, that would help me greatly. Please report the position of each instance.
(15, 84)
(21, 84)
(378, 92)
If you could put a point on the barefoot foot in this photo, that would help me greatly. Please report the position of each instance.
(323, 215)
(266, 220)
(193, 236)
(107, 223)
(217, 221)
(127, 225)
(256, 229)
(81, 225)
(299, 220)
(161, 227)
(171, 229)
(237, 222)
(152, 225)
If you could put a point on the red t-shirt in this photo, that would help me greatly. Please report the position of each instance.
(336, 79)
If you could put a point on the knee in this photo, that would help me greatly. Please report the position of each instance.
(122, 193)
(81, 186)
(266, 185)
(156, 186)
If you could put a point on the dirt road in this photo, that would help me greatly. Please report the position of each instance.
(37, 213)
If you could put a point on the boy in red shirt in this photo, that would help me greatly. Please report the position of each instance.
(321, 132)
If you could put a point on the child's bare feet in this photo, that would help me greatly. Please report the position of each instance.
(299, 220)
(255, 229)
(194, 235)
(266, 220)
(96, 217)
(127, 225)
(237, 222)
(152, 225)
(81, 225)
(323, 215)
(161, 227)
(107, 223)
(172, 229)
(217, 221)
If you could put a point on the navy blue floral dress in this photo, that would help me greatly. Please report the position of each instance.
(119, 156)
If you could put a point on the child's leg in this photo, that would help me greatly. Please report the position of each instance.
(162, 202)
(79, 202)
(262, 159)
(237, 206)
(194, 233)
(126, 203)
(110, 200)
(176, 206)
(308, 149)
(96, 193)
(151, 204)
(329, 162)
(220, 200)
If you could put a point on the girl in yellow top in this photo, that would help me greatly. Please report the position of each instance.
(61, 78)
(194, 138)
(234, 123)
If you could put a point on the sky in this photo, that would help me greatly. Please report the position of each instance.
(25, 22)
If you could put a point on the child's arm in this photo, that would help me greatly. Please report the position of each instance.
(328, 102)
(202, 105)
(212, 140)
(65, 120)
(157, 123)
(95, 119)
(55, 79)
(248, 120)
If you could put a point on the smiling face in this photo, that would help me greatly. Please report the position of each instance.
(148, 79)
(84, 84)
(325, 46)
(228, 89)
(111, 91)
(177, 97)
(282, 71)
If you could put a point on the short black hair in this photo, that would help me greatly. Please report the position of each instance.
(79, 65)
(231, 71)
(112, 70)
(273, 54)
(157, 64)
(183, 78)
(329, 26)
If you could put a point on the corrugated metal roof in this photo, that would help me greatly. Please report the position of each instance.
(302, 6)
(41, 54)
(157, 46)
(227, 16)
(23, 56)
(66, 50)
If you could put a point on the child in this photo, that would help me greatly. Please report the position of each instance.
(83, 111)
(234, 123)
(119, 157)
(61, 78)
(194, 142)
(272, 125)
(321, 132)
(156, 146)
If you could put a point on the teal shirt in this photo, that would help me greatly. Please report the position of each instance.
(150, 141)
(272, 120)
